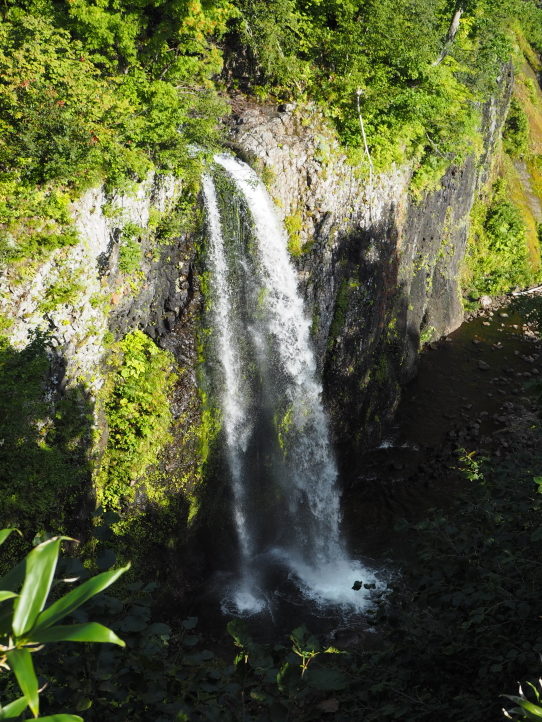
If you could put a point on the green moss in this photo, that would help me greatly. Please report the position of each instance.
(294, 224)
(283, 424)
(267, 174)
(138, 417)
(208, 430)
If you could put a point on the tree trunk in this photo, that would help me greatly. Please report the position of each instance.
(452, 32)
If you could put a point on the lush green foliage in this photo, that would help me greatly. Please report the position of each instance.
(138, 416)
(27, 625)
(412, 104)
(516, 130)
(33, 221)
(294, 225)
(497, 256)
(525, 708)
(65, 290)
(150, 64)
(130, 248)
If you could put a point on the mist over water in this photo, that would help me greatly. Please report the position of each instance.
(286, 500)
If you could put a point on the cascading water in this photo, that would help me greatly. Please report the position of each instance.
(282, 469)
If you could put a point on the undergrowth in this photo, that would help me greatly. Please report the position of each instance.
(138, 417)
(497, 255)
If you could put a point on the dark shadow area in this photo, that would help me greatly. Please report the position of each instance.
(470, 389)
(45, 481)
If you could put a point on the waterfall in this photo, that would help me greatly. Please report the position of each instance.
(283, 473)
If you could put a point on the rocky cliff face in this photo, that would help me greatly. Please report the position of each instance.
(133, 267)
(379, 270)
(81, 292)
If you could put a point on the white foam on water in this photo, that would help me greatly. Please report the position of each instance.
(243, 601)
(331, 584)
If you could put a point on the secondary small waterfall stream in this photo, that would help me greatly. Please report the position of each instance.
(282, 470)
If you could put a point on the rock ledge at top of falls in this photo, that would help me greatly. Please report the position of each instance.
(309, 173)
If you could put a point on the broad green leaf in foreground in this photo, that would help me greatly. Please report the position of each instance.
(60, 718)
(40, 565)
(14, 709)
(533, 709)
(74, 598)
(4, 533)
(89, 632)
(20, 661)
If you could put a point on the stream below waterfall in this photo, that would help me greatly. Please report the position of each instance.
(469, 388)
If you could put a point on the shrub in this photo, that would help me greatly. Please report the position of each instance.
(516, 130)
(497, 255)
(138, 416)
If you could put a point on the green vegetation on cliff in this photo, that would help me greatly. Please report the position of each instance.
(421, 69)
(138, 417)
(93, 92)
(105, 91)
(504, 248)
(497, 255)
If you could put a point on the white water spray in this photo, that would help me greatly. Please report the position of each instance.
(308, 540)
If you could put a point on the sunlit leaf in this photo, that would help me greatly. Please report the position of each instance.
(40, 565)
(14, 709)
(60, 718)
(20, 661)
(5, 533)
(74, 598)
(89, 632)
(533, 709)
